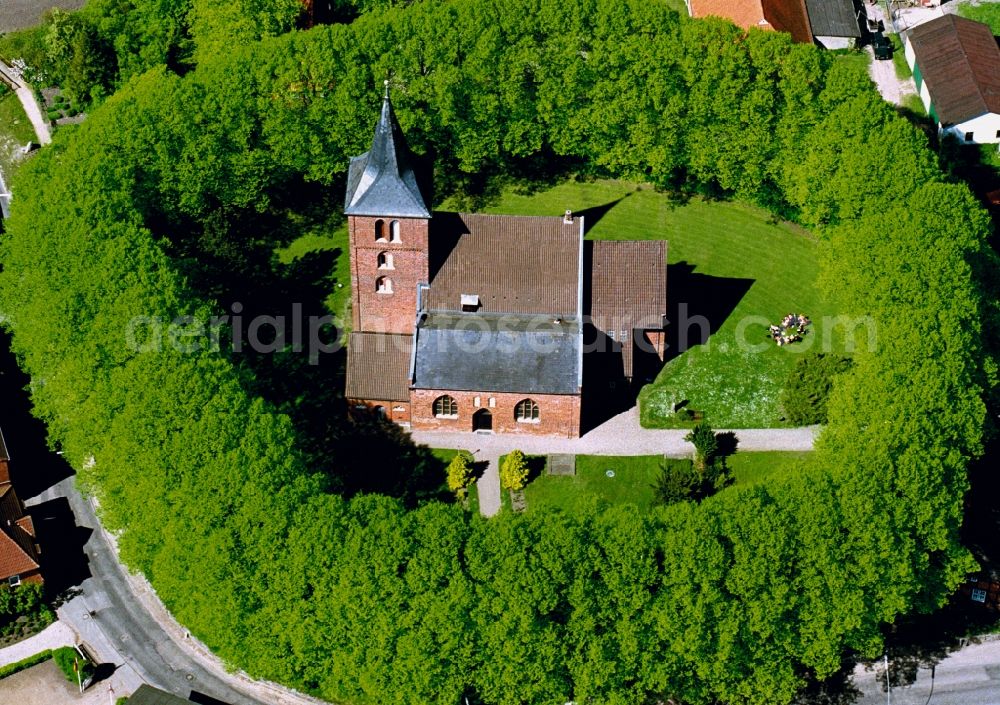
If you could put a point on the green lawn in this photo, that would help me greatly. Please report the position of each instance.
(632, 483)
(323, 238)
(755, 467)
(634, 477)
(724, 248)
(912, 102)
(15, 131)
(899, 58)
(988, 12)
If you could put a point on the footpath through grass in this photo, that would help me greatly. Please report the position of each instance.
(15, 131)
(734, 268)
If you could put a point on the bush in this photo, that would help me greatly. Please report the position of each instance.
(54, 114)
(808, 388)
(65, 658)
(514, 471)
(460, 473)
(18, 666)
(705, 445)
(678, 481)
(25, 600)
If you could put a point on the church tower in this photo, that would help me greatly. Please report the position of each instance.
(388, 221)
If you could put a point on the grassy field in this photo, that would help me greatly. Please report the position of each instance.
(731, 263)
(753, 468)
(327, 238)
(634, 477)
(15, 131)
(632, 483)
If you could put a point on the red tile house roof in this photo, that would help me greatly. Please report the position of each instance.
(628, 289)
(959, 61)
(19, 552)
(778, 15)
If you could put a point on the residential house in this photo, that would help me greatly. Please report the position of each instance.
(956, 67)
(832, 24)
(474, 322)
(19, 550)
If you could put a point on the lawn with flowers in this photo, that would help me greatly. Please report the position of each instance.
(734, 266)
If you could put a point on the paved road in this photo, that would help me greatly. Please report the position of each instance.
(970, 676)
(117, 623)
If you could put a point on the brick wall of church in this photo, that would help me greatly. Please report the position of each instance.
(384, 312)
(397, 411)
(559, 414)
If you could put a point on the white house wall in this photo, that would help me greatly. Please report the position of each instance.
(984, 129)
(835, 42)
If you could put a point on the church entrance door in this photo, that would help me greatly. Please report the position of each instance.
(482, 420)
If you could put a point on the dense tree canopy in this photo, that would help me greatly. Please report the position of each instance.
(367, 599)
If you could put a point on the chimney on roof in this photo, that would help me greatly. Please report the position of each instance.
(568, 217)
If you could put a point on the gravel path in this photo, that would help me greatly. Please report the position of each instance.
(31, 107)
(488, 486)
(620, 435)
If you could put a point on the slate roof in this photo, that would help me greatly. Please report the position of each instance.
(779, 15)
(959, 61)
(378, 367)
(148, 695)
(498, 353)
(628, 289)
(382, 181)
(833, 18)
(515, 264)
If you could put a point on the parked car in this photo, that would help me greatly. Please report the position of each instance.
(882, 46)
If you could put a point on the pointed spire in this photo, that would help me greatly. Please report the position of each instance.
(381, 181)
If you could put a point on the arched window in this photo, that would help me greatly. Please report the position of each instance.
(394, 231)
(446, 407)
(526, 411)
(379, 230)
(383, 285)
(385, 260)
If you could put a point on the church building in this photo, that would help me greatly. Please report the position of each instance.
(474, 322)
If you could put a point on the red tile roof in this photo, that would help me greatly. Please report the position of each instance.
(378, 367)
(960, 62)
(628, 288)
(18, 550)
(515, 264)
(778, 15)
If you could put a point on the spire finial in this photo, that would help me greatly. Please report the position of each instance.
(386, 83)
